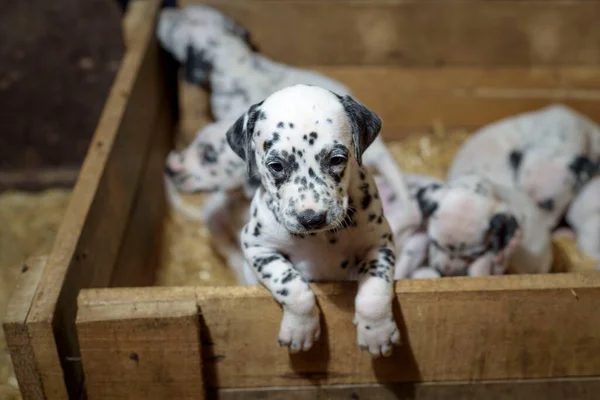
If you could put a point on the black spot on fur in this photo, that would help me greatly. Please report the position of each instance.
(502, 228)
(584, 169)
(283, 292)
(280, 125)
(426, 206)
(547, 204)
(262, 116)
(329, 121)
(515, 157)
(291, 125)
(257, 229)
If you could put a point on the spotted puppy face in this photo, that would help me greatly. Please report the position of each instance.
(193, 35)
(551, 181)
(207, 164)
(464, 222)
(304, 141)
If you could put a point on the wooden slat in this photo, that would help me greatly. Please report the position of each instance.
(454, 329)
(140, 247)
(18, 339)
(547, 389)
(410, 100)
(421, 33)
(89, 237)
(141, 348)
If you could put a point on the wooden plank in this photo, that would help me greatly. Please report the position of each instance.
(454, 329)
(89, 237)
(411, 100)
(547, 389)
(139, 254)
(141, 348)
(17, 334)
(421, 33)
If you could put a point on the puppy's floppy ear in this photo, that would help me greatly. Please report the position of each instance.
(514, 158)
(196, 68)
(239, 137)
(584, 169)
(365, 125)
(502, 228)
(427, 204)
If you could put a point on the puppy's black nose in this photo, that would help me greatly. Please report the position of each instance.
(547, 204)
(171, 173)
(310, 219)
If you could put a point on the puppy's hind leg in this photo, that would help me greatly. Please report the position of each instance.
(378, 157)
(412, 256)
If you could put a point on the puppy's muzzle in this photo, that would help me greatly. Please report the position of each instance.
(171, 173)
(311, 219)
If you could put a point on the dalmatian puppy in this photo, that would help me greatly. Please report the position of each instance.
(477, 227)
(317, 215)
(208, 164)
(584, 217)
(215, 52)
(548, 154)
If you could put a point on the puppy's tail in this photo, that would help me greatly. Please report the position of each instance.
(176, 202)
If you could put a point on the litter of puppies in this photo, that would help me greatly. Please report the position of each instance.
(522, 176)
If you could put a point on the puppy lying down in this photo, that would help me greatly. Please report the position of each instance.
(470, 226)
(547, 154)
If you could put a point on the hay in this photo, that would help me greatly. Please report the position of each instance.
(188, 257)
(28, 224)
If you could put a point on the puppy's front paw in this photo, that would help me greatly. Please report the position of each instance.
(299, 331)
(377, 336)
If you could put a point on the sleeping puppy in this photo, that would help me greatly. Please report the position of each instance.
(215, 52)
(476, 227)
(584, 218)
(548, 154)
(317, 215)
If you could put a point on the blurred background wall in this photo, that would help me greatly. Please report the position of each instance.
(57, 62)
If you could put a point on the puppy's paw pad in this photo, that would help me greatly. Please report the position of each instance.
(378, 337)
(299, 332)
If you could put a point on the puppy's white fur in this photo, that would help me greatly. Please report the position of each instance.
(584, 218)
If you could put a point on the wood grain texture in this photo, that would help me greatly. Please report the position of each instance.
(89, 237)
(454, 329)
(139, 254)
(18, 339)
(420, 33)
(412, 99)
(547, 389)
(141, 349)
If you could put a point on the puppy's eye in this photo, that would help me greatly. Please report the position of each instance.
(337, 160)
(275, 166)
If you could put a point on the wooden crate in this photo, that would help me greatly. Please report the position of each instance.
(88, 319)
